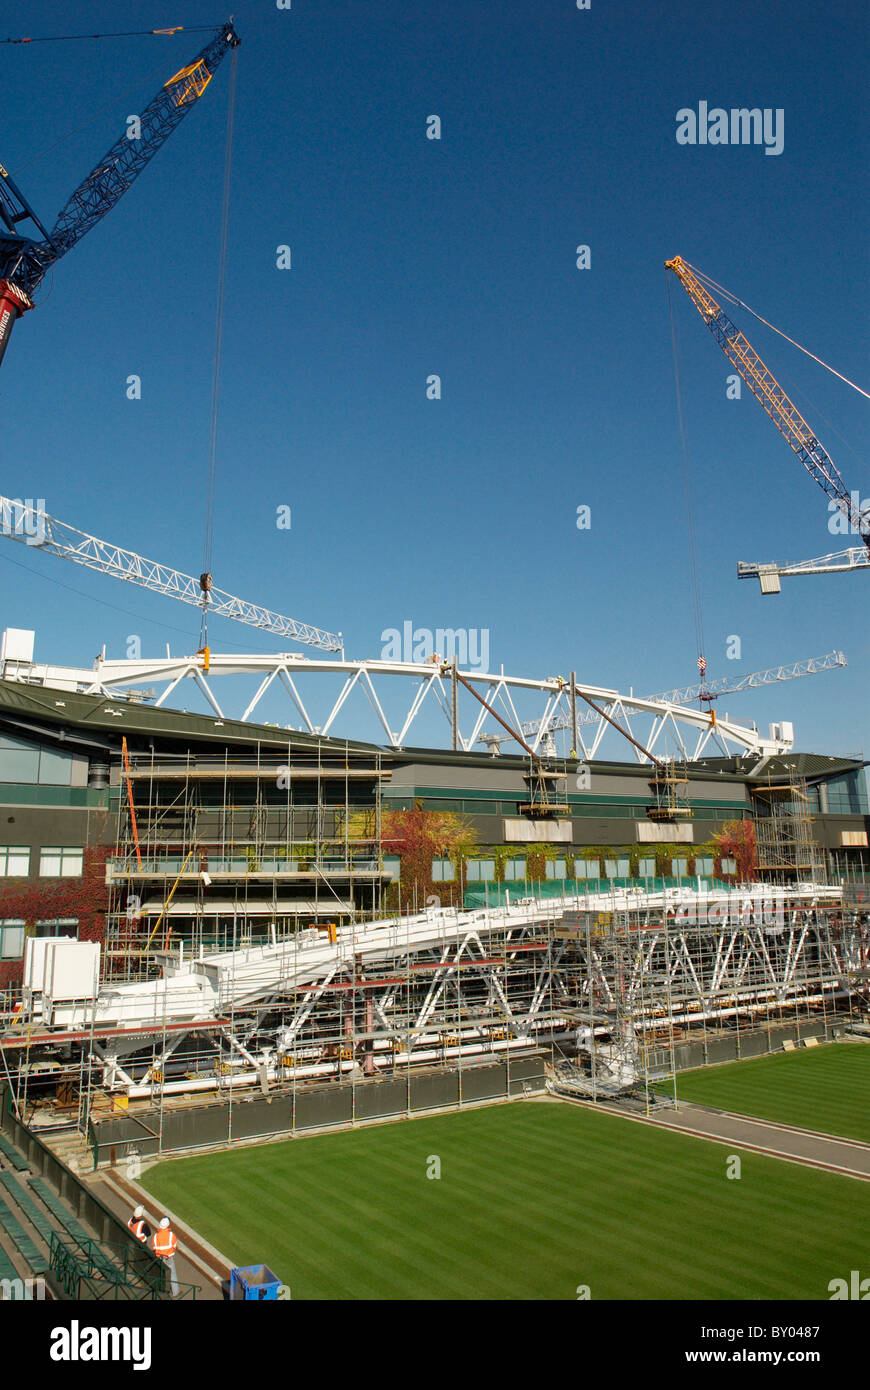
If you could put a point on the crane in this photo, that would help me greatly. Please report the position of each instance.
(33, 527)
(25, 260)
(791, 425)
(710, 691)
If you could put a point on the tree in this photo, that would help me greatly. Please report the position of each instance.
(736, 840)
(418, 836)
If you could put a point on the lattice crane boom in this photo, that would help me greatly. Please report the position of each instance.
(19, 521)
(24, 260)
(767, 390)
(725, 686)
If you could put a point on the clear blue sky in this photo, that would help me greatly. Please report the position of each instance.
(413, 256)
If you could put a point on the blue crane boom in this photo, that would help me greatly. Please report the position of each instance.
(25, 260)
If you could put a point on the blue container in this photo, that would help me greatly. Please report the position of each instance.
(255, 1282)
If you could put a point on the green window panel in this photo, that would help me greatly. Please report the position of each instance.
(11, 938)
(14, 861)
(61, 862)
(514, 870)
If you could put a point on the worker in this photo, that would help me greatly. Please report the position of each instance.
(165, 1244)
(137, 1224)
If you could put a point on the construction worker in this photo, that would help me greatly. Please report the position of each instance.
(137, 1224)
(165, 1244)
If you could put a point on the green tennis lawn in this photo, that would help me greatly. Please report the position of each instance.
(534, 1199)
(825, 1088)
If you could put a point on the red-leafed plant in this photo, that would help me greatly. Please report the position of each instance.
(418, 836)
(44, 899)
(736, 840)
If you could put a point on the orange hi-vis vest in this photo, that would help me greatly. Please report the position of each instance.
(165, 1243)
(137, 1226)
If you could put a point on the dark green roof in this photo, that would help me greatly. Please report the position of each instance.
(109, 719)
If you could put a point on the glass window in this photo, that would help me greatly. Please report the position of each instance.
(14, 861)
(479, 870)
(556, 868)
(679, 867)
(646, 868)
(514, 869)
(729, 866)
(442, 871)
(55, 769)
(19, 762)
(610, 868)
(393, 865)
(58, 926)
(586, 868)
(60, 862)
(11, 939)
(703, 866)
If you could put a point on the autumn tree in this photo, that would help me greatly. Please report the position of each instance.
(418, 836)
(736, 840)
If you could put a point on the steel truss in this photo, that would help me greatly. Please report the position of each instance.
(654, 723)
(451, 987)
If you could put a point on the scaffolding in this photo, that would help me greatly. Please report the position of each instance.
(617, 991)
(710, 979)
(786, 848)
(234, 848)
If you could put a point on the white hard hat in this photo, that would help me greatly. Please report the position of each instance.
(164, 1222)
(139, 1212)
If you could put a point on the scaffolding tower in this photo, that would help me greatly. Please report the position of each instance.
(786, 848)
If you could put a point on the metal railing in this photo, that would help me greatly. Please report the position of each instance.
(107, 1272)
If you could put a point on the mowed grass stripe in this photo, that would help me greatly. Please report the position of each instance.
(826, 1088)
(534, 1199)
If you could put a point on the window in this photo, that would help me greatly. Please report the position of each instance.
(25, 762)
(610, 868)
(679, 867)
(11, 939)
(58, 926)
(60, 862)
(586, 868)
(729, 866)
(703, 866)
(556, 868)
(646, 868)
(479, 870)
(442, 871)
(14, 861)
(514, 869)
(392, 865)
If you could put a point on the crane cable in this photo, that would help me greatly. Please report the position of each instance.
(129, 34)
(208, 544)
(732, 298)
(690, 505)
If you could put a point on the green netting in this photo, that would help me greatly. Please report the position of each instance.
(496, 894)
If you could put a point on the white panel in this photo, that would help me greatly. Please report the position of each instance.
(72, 969)
(853, 839)
(34, 960)
(521, 831)
(662, 832)
(17, 644)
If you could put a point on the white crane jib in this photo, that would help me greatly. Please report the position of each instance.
(32, 526)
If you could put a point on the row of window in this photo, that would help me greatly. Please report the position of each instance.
(483, 870)
(55, 861)
(13, 931)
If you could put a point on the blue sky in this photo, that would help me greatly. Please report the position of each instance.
(455, 256)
